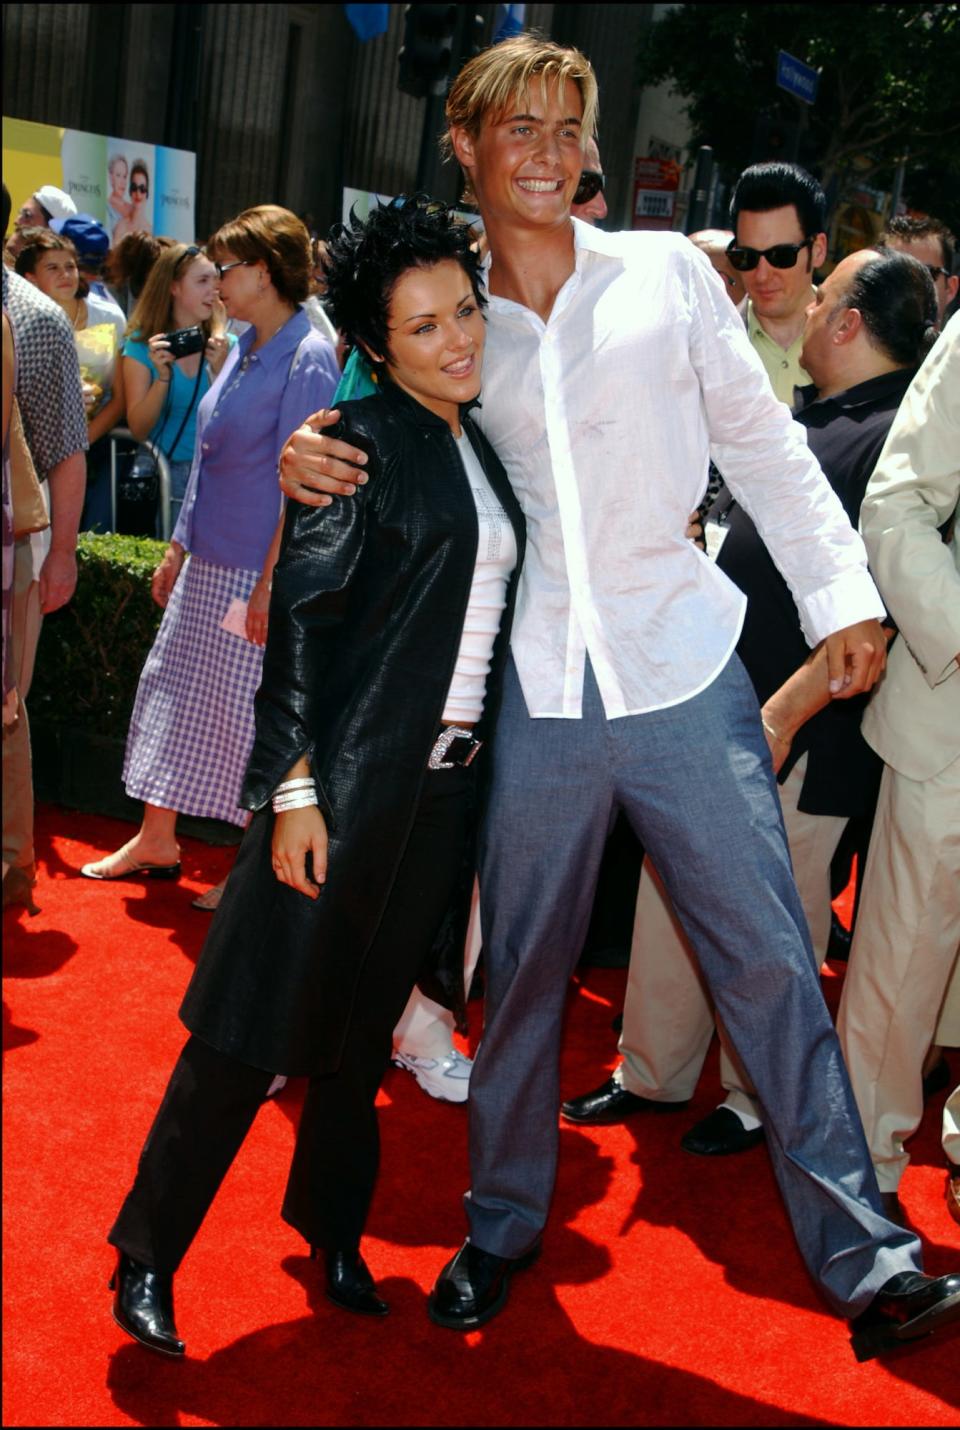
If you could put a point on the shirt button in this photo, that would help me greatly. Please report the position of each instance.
(784, 363)
(206, 446)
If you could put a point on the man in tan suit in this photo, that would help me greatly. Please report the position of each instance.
(901, 976)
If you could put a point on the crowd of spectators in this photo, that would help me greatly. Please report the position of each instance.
(213, 356)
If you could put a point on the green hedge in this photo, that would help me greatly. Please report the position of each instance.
(91, 653)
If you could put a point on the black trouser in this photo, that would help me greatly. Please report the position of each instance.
(212, 1099)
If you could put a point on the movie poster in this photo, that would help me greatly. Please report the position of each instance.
(125, 184)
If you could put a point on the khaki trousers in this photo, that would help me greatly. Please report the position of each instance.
(668, 1017)
(903, 959)
(17, 771)
(951, 1127)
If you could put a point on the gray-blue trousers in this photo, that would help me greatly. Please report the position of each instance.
(696, 783)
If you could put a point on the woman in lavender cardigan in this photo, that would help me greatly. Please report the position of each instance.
(192, 726)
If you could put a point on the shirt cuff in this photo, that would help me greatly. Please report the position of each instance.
(849, 598)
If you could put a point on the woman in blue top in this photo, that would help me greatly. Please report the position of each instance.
(163, 393)
(192, 726)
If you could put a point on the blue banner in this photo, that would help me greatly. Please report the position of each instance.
(508, 21)
(369, 21)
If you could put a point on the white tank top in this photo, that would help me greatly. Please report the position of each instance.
(496, 558)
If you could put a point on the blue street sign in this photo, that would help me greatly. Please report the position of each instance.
(797, 78)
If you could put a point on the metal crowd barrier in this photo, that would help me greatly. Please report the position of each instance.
(123, 434)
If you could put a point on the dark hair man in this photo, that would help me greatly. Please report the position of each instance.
(932, 242)
(615, 364)
(778, 215)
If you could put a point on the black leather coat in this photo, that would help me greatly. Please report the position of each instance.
(369, 598)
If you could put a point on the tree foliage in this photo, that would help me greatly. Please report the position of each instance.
(887, 91)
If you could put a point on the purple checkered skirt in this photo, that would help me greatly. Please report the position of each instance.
(192, 729)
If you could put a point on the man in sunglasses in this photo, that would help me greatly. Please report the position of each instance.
(932, 242)
(588, 202)
(714, 242)
(778, 212)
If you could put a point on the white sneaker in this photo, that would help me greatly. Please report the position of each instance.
(446, 1078)
(279, 1082)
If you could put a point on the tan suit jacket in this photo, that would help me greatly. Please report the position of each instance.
(913, 720)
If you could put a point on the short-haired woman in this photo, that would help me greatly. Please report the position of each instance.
(192, 726)
(388, 636)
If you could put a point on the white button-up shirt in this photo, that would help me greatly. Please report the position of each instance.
(605, 417)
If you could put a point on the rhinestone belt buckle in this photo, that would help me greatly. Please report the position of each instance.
(444, 741)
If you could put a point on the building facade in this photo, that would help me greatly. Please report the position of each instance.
(281, 103)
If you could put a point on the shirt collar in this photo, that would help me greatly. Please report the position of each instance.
(585, 237)
(755, 329)
(282, 345)
(862, 394)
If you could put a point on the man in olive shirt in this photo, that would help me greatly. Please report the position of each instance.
(778, 212)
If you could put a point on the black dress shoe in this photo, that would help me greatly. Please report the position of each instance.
(719, 1134)
(349, 1283)
(910, 1305)
(473, 1287)
(612, 1103)
(143, 1305)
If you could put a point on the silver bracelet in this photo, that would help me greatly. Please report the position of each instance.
(302, 800)
(302, 782)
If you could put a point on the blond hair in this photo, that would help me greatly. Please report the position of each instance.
(501, 75)
(154, 309)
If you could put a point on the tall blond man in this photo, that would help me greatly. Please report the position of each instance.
(611, 360)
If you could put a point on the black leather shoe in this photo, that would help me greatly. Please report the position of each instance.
(473, 1287)
(910, 1305)
(349, 1283)
(719, 1134)
(143, 1305)
(612, 1103)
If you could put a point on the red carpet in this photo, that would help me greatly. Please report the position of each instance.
(669, 1293)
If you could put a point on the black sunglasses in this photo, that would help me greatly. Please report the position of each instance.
(936, 272)
(139, 189)
(781, 255)
(591, 183)
(187, 253)
(223, 268)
